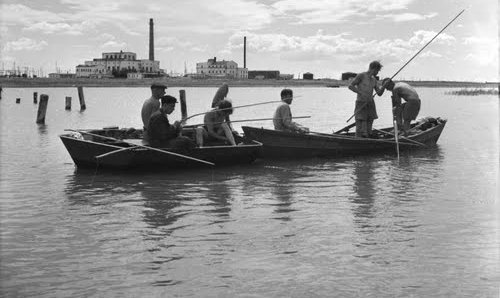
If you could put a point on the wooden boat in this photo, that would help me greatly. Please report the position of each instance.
(115, 148)
(280, 144)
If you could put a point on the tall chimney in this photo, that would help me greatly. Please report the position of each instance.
(245, 52)
(151, 41)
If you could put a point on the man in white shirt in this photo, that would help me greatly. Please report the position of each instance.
(283, 115)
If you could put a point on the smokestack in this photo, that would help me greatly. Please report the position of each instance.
(151, 41)
(245, 52)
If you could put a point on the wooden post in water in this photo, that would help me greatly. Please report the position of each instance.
(35, 97)
(1, 92)
(42, 109)
(82, 98)
(68, 103)
(182, 98)
(18, 100)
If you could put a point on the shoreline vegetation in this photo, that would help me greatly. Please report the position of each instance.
(474, 91)
(188, 82)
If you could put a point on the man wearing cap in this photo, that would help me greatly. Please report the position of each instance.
(150, 106)
(162, 134)
(407, 111)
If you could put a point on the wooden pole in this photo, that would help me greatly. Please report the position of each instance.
(1, 92)
(182, 97)
(35, 97)
(18, 100)
(81, 98)
(42, 109)
(68, 103)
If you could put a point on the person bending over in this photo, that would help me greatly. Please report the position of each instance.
(407, 111)
(216, 127)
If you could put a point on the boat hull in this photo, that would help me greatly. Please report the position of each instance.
(285, 145)
(84, 153)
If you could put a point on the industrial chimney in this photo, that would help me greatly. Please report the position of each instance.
(245, 52)
(151, 41)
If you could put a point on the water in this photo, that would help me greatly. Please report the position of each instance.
(426, 225)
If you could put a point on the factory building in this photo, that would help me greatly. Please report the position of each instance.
(115, 62)
(220, 69)
(122, 64)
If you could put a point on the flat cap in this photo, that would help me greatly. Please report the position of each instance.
(158, 86)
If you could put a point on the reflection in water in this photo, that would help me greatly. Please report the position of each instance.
(282, 184)
(364, 188)
(220, 197)
(387, 193)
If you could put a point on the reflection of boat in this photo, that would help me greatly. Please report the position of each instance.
(280, 144)
(122, 148)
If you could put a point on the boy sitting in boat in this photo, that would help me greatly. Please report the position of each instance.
(282, 118)
(162, 134)
(404, 112)
(216, 126)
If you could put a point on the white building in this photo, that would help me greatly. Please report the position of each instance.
(221, 69)
(117, 61)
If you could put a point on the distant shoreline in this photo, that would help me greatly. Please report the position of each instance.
(187, 82)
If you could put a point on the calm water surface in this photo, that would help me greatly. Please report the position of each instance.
(426, 225)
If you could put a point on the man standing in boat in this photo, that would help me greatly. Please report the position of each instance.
(365, 111)
(282, 118)
(407, 111)
(162, 134)
(150, 106)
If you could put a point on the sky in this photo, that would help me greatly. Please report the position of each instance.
(323, 37)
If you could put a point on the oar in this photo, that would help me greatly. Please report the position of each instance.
(147, 147)
(346, 129)
(246, 120)
(357, 111)
(396, 135)
(243, 106)
(404, 138)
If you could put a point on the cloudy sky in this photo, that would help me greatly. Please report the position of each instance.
(324, 37)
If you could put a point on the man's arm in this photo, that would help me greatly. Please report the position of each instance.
(380, 90)
(353, 86)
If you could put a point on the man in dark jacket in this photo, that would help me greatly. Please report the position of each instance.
(162, 134)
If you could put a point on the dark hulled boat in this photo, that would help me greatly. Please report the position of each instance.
(123, 149)
(282, 145)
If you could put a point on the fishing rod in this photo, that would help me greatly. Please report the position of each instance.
(237, 107)
(357, 111)
(246, 120)
(243, 106)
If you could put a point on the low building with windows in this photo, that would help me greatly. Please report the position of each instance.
(117, 64)
(57, 75)
(220, 69)
(264, 74)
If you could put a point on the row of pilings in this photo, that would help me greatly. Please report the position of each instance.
(44, 100)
